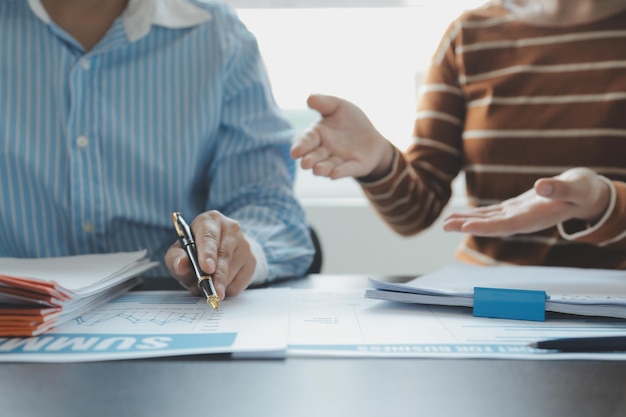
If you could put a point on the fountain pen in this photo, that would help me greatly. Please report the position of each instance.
(205, 281)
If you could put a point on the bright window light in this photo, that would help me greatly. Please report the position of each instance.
(374, 57)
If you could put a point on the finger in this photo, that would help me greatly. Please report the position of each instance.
(544, 187)
(575, 192)
(479, 212)
(314, 157)
(179, 266)
(177, 261)
(221, 277)
(580, 188)
(240, 282)
(485, 221)
(476, 227)
(457, 222)
(453, 225)
(529, 219)
(206, 230)
(324, 104)
(348, 168)
(227, 262)
(491, 227)
(497, 209)
(309, 141)
(325, 168)
(243, 275)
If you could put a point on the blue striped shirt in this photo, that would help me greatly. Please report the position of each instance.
(170, 111)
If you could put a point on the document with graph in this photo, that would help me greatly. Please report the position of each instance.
(346, 324)
(144, 324)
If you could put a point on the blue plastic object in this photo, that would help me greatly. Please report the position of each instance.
(510, 304)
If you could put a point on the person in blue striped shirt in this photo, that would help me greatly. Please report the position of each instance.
(116, 113)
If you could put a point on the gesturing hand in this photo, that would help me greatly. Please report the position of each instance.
(578, 193)
(344, 143)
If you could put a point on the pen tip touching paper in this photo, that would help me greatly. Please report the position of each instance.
(213, 301)
(206, 285)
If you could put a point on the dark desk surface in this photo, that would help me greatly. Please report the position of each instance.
(211, 385)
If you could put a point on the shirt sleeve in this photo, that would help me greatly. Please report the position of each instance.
(413, 194)
(610, 231)
(251, 177)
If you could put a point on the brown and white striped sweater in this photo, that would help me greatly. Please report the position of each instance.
(508, 103)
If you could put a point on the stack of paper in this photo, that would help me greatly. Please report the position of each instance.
(580, 291)
(147, 324)
(37, 294)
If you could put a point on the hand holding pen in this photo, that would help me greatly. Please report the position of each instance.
(222, 252)
(205, 281)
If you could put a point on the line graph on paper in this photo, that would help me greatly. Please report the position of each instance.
(151, 313)
(159, 318)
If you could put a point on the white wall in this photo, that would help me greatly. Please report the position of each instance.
(355, 240)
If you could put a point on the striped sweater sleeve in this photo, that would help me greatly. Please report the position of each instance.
(413, 194)
(610, 231)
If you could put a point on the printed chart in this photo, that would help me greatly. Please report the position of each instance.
(162, 323)
(347, 324)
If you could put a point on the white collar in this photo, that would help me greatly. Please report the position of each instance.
(140, 15)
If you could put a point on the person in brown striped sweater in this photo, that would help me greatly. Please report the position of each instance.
(528, 99)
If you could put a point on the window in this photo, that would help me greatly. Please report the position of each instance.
(356, 49)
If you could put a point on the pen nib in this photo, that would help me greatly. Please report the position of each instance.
(213, 301)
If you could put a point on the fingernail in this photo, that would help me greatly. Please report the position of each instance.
(221, 290)
(177, 263)
(544, 189)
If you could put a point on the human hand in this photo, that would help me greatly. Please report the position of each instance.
(343, 143)
(223, 252)
(577, 193)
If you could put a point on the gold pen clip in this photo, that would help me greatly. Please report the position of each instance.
(177, 224)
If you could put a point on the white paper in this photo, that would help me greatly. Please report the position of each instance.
(345, 324)
(81, 274)
(570, 290)
(291, 322)
(144, 324)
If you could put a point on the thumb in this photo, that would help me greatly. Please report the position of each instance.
(556, 189)
(325, 105)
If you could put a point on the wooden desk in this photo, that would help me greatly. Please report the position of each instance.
(214, 385)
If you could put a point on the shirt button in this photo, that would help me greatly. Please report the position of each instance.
(82, 141)
(85, 64)
(87, 227)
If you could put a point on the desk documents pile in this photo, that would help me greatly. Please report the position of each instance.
(580, 291)
(290, 322)
(39, 294)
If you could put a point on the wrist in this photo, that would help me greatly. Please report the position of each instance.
(384, 166)
(602, 201)
(261, 269)
(585, 229)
